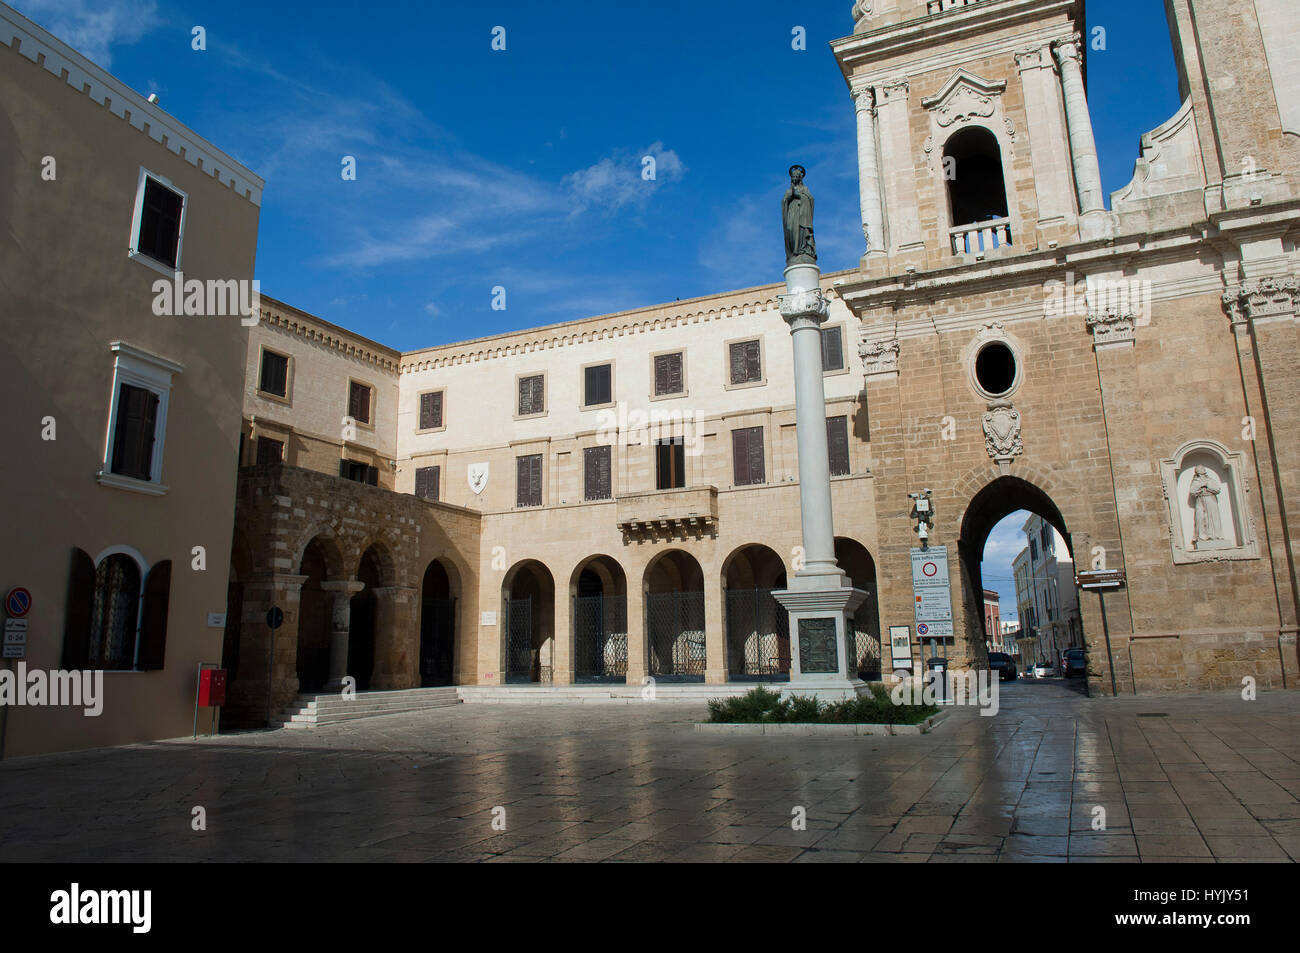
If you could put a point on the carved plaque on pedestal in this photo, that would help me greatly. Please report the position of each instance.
(817, 647)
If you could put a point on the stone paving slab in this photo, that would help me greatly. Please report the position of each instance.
(1054, 777)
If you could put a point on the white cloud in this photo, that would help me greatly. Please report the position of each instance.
(618, 179)
(92, 26)
(431, 309)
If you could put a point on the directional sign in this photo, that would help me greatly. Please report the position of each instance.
(1100, 579)
(274, 617)
(18, 602)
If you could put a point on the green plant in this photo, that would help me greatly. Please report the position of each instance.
(763, 705)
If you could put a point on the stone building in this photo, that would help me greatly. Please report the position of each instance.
(616, 498)
(125, 406)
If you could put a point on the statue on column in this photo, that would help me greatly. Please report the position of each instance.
(797, 217)
(1204, 495)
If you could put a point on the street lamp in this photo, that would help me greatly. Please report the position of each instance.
(923, 514)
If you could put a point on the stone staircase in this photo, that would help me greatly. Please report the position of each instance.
(309, 711)
(680, 692)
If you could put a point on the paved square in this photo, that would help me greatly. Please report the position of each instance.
(1190, 779)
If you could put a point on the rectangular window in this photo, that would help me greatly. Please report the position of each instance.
(747, 456)
(133, 434)
(359, 402)
(359, 472)
(746, 362)
(837, 443)
(270, 451)
(275, 374)
(532, 395)
(528, 480)
(159, 234)
(596, 482)
(669, 378)
(431, 410)
(833, 348)
(597, 385)
(427, 480)
(670, 463)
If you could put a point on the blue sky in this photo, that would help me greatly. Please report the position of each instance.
(522, 168)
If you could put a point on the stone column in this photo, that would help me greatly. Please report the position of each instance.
(820, 599)
(869, 193)
(268, 660)
(397, 643)
(637, 657)
(715, 635)
(1083, 146)
(562, 668)
(340, 623)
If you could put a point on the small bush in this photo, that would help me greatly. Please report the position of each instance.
(762, 705)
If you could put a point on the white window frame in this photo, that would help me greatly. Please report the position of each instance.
(133, 246)
(139, 368)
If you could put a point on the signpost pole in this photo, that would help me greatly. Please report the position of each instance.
(1110, 659)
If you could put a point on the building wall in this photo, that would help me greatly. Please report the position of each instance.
(70, 292)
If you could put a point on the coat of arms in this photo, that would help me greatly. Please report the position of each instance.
(1002, 430)
(478, 476)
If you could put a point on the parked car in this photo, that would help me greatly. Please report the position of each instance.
(1044, 670)
(1003, 664)
(1074, 664)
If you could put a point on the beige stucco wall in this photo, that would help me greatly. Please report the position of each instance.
(69, 291)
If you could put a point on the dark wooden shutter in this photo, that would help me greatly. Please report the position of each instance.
(275, 373)
(426, 482)
(79, 606)
(668, 374)
(431, 411)
(837, 444)
(832, 349)
(529, 481)
(747, 456)
(153, 624)
(738, 363)
(359, 402)
(372, 476)
(270, 451)
(596, 473)
(160, 223)
(532, 395)
(597, 385)
(746, 363)
(437, 481)
(133, 434)
(345, 469)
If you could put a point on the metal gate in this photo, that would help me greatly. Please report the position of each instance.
(675, 633)
(521, 657)
(600, 638)
(865, 644)
(758, 636)
(437, 642)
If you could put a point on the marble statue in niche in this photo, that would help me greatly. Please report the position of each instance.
(1203, 495)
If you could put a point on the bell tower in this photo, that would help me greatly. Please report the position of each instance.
(974, 136)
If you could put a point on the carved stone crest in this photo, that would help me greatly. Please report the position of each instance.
(1002, 431)
(478, 476)
(964, 104)
(1110, 328)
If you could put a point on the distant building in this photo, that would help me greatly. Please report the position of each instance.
(1047, 601)
(992, 621)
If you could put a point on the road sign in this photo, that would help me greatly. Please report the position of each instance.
(930, 566)
(274, 617)
(1100, 579)
(933, 604)
(900, 646)
(932, 593)
(18, 602)
(15, 638)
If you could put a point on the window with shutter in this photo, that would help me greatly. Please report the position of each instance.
(669, 378)
(532, 395)
(597, 385)
(426, 482)
(747, 456)
(833, 348)
(431, 410)
(275, 374)
(359, 402)
(837, 443)
(134, 432)
(270, 451)
(670, 463)
(746, 362)
(356, 471)
(160, 223)
(114, 614)
(528, 480)
(596, 483)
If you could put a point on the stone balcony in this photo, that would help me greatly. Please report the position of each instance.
(689, 512)
(981, 238)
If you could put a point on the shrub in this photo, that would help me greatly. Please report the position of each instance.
(766, 706)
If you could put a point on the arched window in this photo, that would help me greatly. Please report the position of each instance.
(115, 613)
(977, 192)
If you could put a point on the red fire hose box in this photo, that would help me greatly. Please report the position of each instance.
(212, 687)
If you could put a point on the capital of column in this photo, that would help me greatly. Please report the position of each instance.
(280, 582)
(1036, 57)
(1270, 298)
(801, 308)
(348, 586)
(396, 593)
(1069, 50)
(1110, 328)
(864, 98)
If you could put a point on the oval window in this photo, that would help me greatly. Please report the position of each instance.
(995, 369)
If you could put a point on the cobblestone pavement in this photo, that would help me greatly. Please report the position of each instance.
(1188, 778)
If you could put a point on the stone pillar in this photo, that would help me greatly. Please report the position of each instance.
(869, 193)
(268, 660)
(562, 671)
(637, 657)
(397, 641)
(340, 622)
(715, 634)
(1083, 146)
(820, 600)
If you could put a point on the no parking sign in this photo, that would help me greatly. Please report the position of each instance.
(18, 602)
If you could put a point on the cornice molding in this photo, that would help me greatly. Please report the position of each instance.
(29, 40)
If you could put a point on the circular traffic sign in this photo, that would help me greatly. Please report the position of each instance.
(922, 629)
(930, 568)
(274, 616)
(18, 602)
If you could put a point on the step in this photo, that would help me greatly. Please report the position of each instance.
(310, 711)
